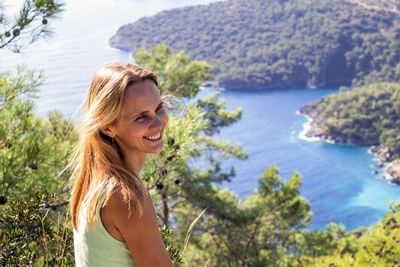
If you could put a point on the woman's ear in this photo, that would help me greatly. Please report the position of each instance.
(109, 131)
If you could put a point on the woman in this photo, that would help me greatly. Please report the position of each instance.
(112, 213)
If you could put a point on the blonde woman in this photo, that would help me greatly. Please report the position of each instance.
(113, 216)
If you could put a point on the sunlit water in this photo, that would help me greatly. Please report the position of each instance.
(338, 180)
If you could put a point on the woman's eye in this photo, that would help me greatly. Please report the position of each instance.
(145, 117)
(140, 118)
(160, 108)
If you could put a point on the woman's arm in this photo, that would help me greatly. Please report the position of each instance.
(141, 235)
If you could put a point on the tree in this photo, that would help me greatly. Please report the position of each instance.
(33, 150)
(31, 23)
(33, 216)
(31, 237)
(377, 246)
(262, 230)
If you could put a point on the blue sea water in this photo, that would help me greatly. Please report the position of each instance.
(338, 180)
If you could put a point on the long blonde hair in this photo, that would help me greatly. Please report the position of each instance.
(97, 162)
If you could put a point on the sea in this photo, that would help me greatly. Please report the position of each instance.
(341, 182)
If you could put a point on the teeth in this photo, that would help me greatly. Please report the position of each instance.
(153, 137)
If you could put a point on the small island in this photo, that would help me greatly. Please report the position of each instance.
(364, 116)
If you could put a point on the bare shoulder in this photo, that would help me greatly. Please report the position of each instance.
(118, 210)
(141, 234)
(117, 206)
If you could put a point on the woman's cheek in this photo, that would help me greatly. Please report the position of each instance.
(165, 117)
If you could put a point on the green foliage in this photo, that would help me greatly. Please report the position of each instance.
(259, 231)
(29, 25)
(333, 238)
(168, 238)
(364, 116)
(32, 234)
(35, 232)
(377, 247)
(216, 114)
(178, 74)
(275, 44)
(33, 150)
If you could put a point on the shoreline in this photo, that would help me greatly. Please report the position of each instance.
(307, 126)
(389, 168)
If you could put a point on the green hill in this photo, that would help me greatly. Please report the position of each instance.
(367, 116)
(279, 43)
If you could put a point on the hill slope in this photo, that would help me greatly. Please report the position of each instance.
(278, 43)
(367, 116)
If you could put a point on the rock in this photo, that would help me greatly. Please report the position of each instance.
(373, 149)
(392, 171)
(384, 154)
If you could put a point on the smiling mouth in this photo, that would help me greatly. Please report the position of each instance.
(154, 138)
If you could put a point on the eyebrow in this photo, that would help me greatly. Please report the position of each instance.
(133, 114)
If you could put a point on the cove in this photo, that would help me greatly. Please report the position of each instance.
(338, 180)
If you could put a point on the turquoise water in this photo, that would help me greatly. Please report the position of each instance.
(338, 180)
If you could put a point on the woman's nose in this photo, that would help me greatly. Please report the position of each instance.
(159, 121)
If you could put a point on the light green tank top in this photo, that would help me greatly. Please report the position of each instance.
(95, 247)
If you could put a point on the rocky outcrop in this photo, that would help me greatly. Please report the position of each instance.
(392, 171)
(384, 158)
(382, 155)
(388, 162)
(316, 131)
(365, 116)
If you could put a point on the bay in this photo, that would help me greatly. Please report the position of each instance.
(338, 180)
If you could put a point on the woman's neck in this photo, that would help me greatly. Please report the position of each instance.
(135, 161)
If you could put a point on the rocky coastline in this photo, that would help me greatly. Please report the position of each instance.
(385, 160)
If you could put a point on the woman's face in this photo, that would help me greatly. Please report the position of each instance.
(141, 125)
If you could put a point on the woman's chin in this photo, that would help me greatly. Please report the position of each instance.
(157, 148)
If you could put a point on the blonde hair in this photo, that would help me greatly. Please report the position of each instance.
(97, 162)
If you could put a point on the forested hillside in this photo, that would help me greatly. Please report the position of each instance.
(367, 116)
(279, 44)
